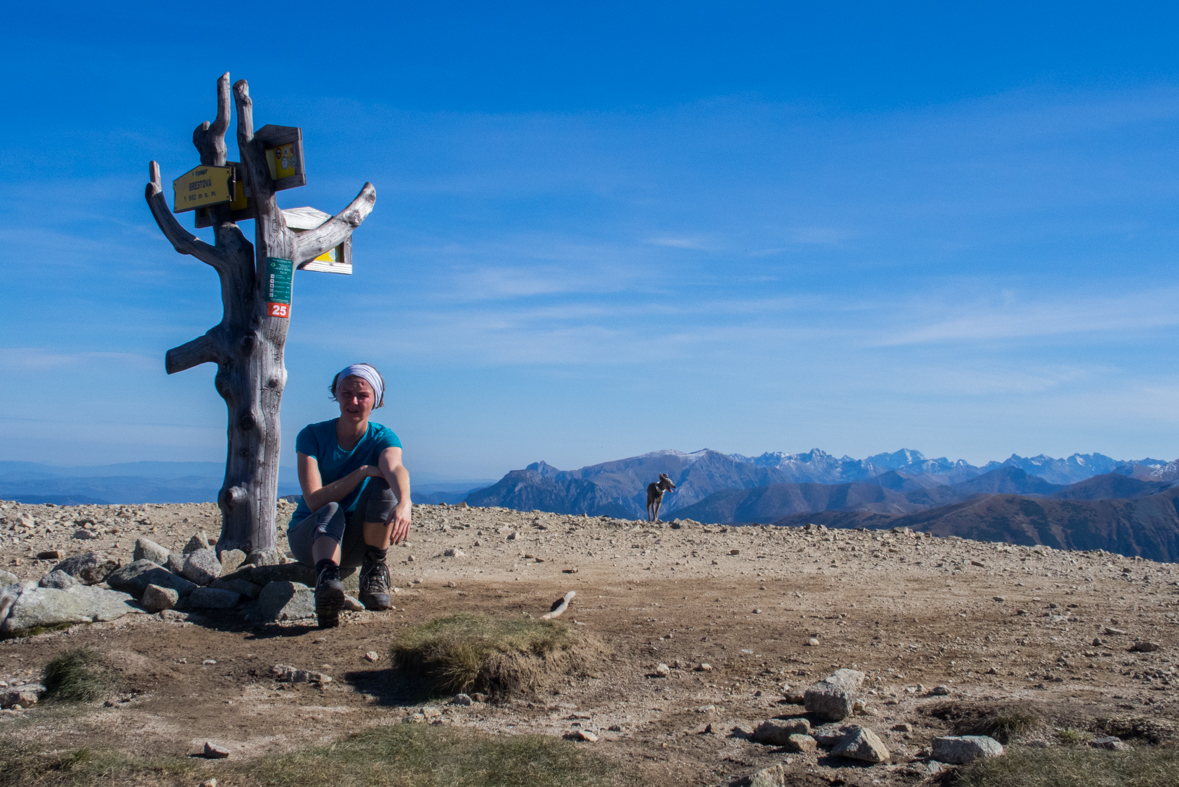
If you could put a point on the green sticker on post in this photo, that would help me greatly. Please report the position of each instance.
(278, 282)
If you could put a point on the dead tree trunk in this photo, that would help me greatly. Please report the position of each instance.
(247, 345)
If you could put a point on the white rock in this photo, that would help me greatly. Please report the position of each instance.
(834, 697)
(961, 749)
(862, 744)
(286, 674)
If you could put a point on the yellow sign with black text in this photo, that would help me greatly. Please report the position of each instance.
(201, 187)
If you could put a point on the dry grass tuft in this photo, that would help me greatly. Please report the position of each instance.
(1074, 767)
(1005, 723)
(78, 675)
(475, 652)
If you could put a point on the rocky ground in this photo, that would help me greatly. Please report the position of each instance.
(940, 627)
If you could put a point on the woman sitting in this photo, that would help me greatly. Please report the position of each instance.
(349, 468)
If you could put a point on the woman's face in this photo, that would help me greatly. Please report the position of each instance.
(356, 399)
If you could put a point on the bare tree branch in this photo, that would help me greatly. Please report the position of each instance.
(181, 239)
(245, 112)
(203, 349)
(334, 231)
(209, 138)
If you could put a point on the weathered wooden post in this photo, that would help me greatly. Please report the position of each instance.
(247, 345)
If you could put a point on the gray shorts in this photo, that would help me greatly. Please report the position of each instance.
(375, 504)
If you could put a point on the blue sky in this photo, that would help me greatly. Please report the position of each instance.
(613, 228)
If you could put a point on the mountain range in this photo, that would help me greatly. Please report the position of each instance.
(1083, 501)
(620, 487)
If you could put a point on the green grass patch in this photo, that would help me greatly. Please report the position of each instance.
(1074, 767)
(417, 755)
(475, 652)
(78, 675)
(22, 765)
(400, 755)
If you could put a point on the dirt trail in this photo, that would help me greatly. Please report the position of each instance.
(989, 622)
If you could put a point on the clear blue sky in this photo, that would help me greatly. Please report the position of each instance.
(607, 228)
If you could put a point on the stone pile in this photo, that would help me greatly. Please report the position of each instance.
(830, 702)
(88, 588)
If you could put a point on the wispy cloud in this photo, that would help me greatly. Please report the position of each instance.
(681, 242)
(1039, 317)
(37, 359)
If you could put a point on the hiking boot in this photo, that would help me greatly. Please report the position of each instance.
(374, 585)
(329, 597)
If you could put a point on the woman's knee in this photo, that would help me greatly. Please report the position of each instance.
(330, 521)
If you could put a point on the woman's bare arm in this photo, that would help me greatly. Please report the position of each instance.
(397, 477)
(316, 495)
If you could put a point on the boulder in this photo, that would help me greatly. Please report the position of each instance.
(286, 572)
(832, 734)
(803, 744)
(767, 777)
(199, 541)
(135, 578)
(961, 749)
(175, 564)
(201, 567)
(146, 549)
(833, 698)
(9, 594)
(213, 598)
(775, 732)
(7, 578)
(58, 580)
(38, 607)
(157, 599)
(25, 696)
(284, 601)
(231, 560)
(864, 745)
(88, 568)
(239, 586)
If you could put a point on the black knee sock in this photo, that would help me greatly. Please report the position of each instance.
(374, 555)
(321, 565)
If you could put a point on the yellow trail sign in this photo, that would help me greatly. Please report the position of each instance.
(201, 187)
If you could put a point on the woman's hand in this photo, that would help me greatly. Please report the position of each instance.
(400, 518)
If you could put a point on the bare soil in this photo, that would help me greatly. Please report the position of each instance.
(991, 623)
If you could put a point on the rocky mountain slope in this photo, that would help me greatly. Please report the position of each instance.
(1146, 526)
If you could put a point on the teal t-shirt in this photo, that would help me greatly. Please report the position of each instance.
(319, 440)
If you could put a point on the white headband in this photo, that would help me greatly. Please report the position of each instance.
(366, 373)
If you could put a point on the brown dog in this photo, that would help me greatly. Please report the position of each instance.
(655, 496)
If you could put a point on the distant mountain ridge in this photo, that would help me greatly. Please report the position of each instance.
(620, 485)
(1145, 527)
(124, 483)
